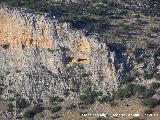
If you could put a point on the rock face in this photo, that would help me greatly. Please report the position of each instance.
(40, 57)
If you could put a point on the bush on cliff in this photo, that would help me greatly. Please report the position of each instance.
(88, 97)
(21, 103)
(151, 102)
(139, 90)
(33, 111)
(56, 109)
(55, 99)
(157, 76)
(127, 79)
(10, 107)
(5, 46)
(124, 92)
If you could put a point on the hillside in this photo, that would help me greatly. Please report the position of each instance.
(63, 59)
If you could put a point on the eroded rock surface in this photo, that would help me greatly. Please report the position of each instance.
(40, 57)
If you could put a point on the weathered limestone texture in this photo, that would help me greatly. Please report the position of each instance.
(40, 57)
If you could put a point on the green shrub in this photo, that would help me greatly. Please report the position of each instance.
(104, 98)
(138, 52)
(56, 109)
(155, 29)
(142, 92)
(155, 86)
(1, 90)
(10, 107)
(148, 76)
(32, 112)
(130, 89)
(88, 97)
(148, 93)
(5, 46)
(21, 103)
(29, 114)
(139, 90)
(127, 79)
(56, 99)
(150, 45)
(38, 108)
(82, 105)
(124, 92)
(11, 99)
(157, 76)
(157, 53)
(151, 102)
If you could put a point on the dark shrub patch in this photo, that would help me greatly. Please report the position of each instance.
(56, 99)
(21, 103)
(56, 109)
(151, 102)
(32, 112)
(6, 46)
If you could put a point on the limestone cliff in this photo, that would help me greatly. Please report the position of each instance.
(40, 57)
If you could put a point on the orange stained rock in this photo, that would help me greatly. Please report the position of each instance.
(45, 44)
(16, 33)
(81, 46)
(109, 73)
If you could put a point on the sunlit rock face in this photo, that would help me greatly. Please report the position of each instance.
(18, 30)
(40, 57)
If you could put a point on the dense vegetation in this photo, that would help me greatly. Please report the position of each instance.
(56, 109)
(94, 16)
(88, 96)
(10, 107)
(21, 103)
(30, 113)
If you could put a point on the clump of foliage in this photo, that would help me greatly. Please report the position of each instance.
(139, 90)
(127, 79)
(138, 52)
(88, 96)
(157, 76)
(148, 76)
(156, 55)
(151, 102)
(10, 107)
(151, 45)
(132, 89)
(56, 109)
(104, 99)
(5, 46)
(79, 15)
(21, 103)
(11, 99)
(1, 90)
(33, 111)
(55, 99)
(155, 86)
(155, 29)
(148, 93)
(124, 92)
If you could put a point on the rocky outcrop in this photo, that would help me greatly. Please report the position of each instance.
(40, 57)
